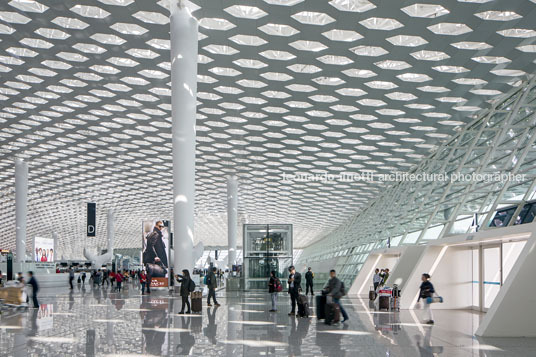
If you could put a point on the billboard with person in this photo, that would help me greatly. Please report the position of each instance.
(155, 251)
(43, 249)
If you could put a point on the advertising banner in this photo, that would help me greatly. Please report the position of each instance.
(155, 251)
(43, 249)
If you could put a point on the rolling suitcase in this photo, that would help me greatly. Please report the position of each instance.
(197, 301)
(320, 302)
(333, 314)
(303, 306)
(383, 303)
(372, 293)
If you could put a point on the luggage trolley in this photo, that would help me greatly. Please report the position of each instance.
(13, 297)
(384, 298)
(389, 298)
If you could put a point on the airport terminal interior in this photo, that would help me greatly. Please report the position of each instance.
(267, 177)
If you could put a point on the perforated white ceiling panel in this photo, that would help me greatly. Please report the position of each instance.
(285, 86)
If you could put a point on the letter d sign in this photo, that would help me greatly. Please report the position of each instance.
(91, 219)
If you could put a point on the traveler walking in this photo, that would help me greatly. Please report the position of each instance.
(143, 281)
(185, 281)
(105, 275)
(83, 275)
(294, 286)
(274, 287)
(309, 276)
(35, 289)
(71, 277)
(119, 280)
(212, 283)
(427, 290)
(335, 289)
(377, 279)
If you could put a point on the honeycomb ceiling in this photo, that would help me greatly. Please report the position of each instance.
(285, 86)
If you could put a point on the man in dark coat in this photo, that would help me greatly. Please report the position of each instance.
(294, 286)
(212, 284)
(309, 276)
(155, 251)
(155, 254)
(35, 289)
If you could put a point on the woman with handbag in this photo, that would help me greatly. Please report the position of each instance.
(274, 286)
(427, 291)
(184, 279)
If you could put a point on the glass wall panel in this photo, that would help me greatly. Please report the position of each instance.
(511, 251)
(476, 278)
(502, 217)
(433, 232)
(492, 274)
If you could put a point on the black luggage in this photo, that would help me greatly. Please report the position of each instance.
(197, 301)
(303, 306)
(372, 293)
(383, 303)
(320, 302)
(333, 313)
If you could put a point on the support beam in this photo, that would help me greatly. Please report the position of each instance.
(184, 30)
(21, 207)
(232, 218)
(56, 256)
(110, 223)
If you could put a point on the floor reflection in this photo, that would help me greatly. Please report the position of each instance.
(96, 321)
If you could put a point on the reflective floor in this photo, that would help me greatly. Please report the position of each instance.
(98, 322)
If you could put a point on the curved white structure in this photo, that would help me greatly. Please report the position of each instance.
(99, 260)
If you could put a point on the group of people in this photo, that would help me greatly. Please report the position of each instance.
(334, 289)
(380, 278)
(426, 290)
(99, 277)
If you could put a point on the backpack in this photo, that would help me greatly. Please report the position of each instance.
(191, 286)
(205, 280)
(278, 286)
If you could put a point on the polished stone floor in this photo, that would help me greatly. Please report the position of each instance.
(98, 322)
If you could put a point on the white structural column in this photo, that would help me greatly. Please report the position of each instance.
(232, 218)
(184, 30)
(110, 218)
(55, 238)
(21, 207)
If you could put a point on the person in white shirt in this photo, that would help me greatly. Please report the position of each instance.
(377, 279)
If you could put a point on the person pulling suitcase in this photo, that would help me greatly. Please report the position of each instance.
(334, 291)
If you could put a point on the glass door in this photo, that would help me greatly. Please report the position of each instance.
(492, 274)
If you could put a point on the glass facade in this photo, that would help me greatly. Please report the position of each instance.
(487, 169)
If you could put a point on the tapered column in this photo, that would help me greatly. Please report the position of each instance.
(232, 218)
(183, 102)
(21, 207)
(56, 256)
(110, 221)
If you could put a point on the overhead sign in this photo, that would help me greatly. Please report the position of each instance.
(91, 219)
